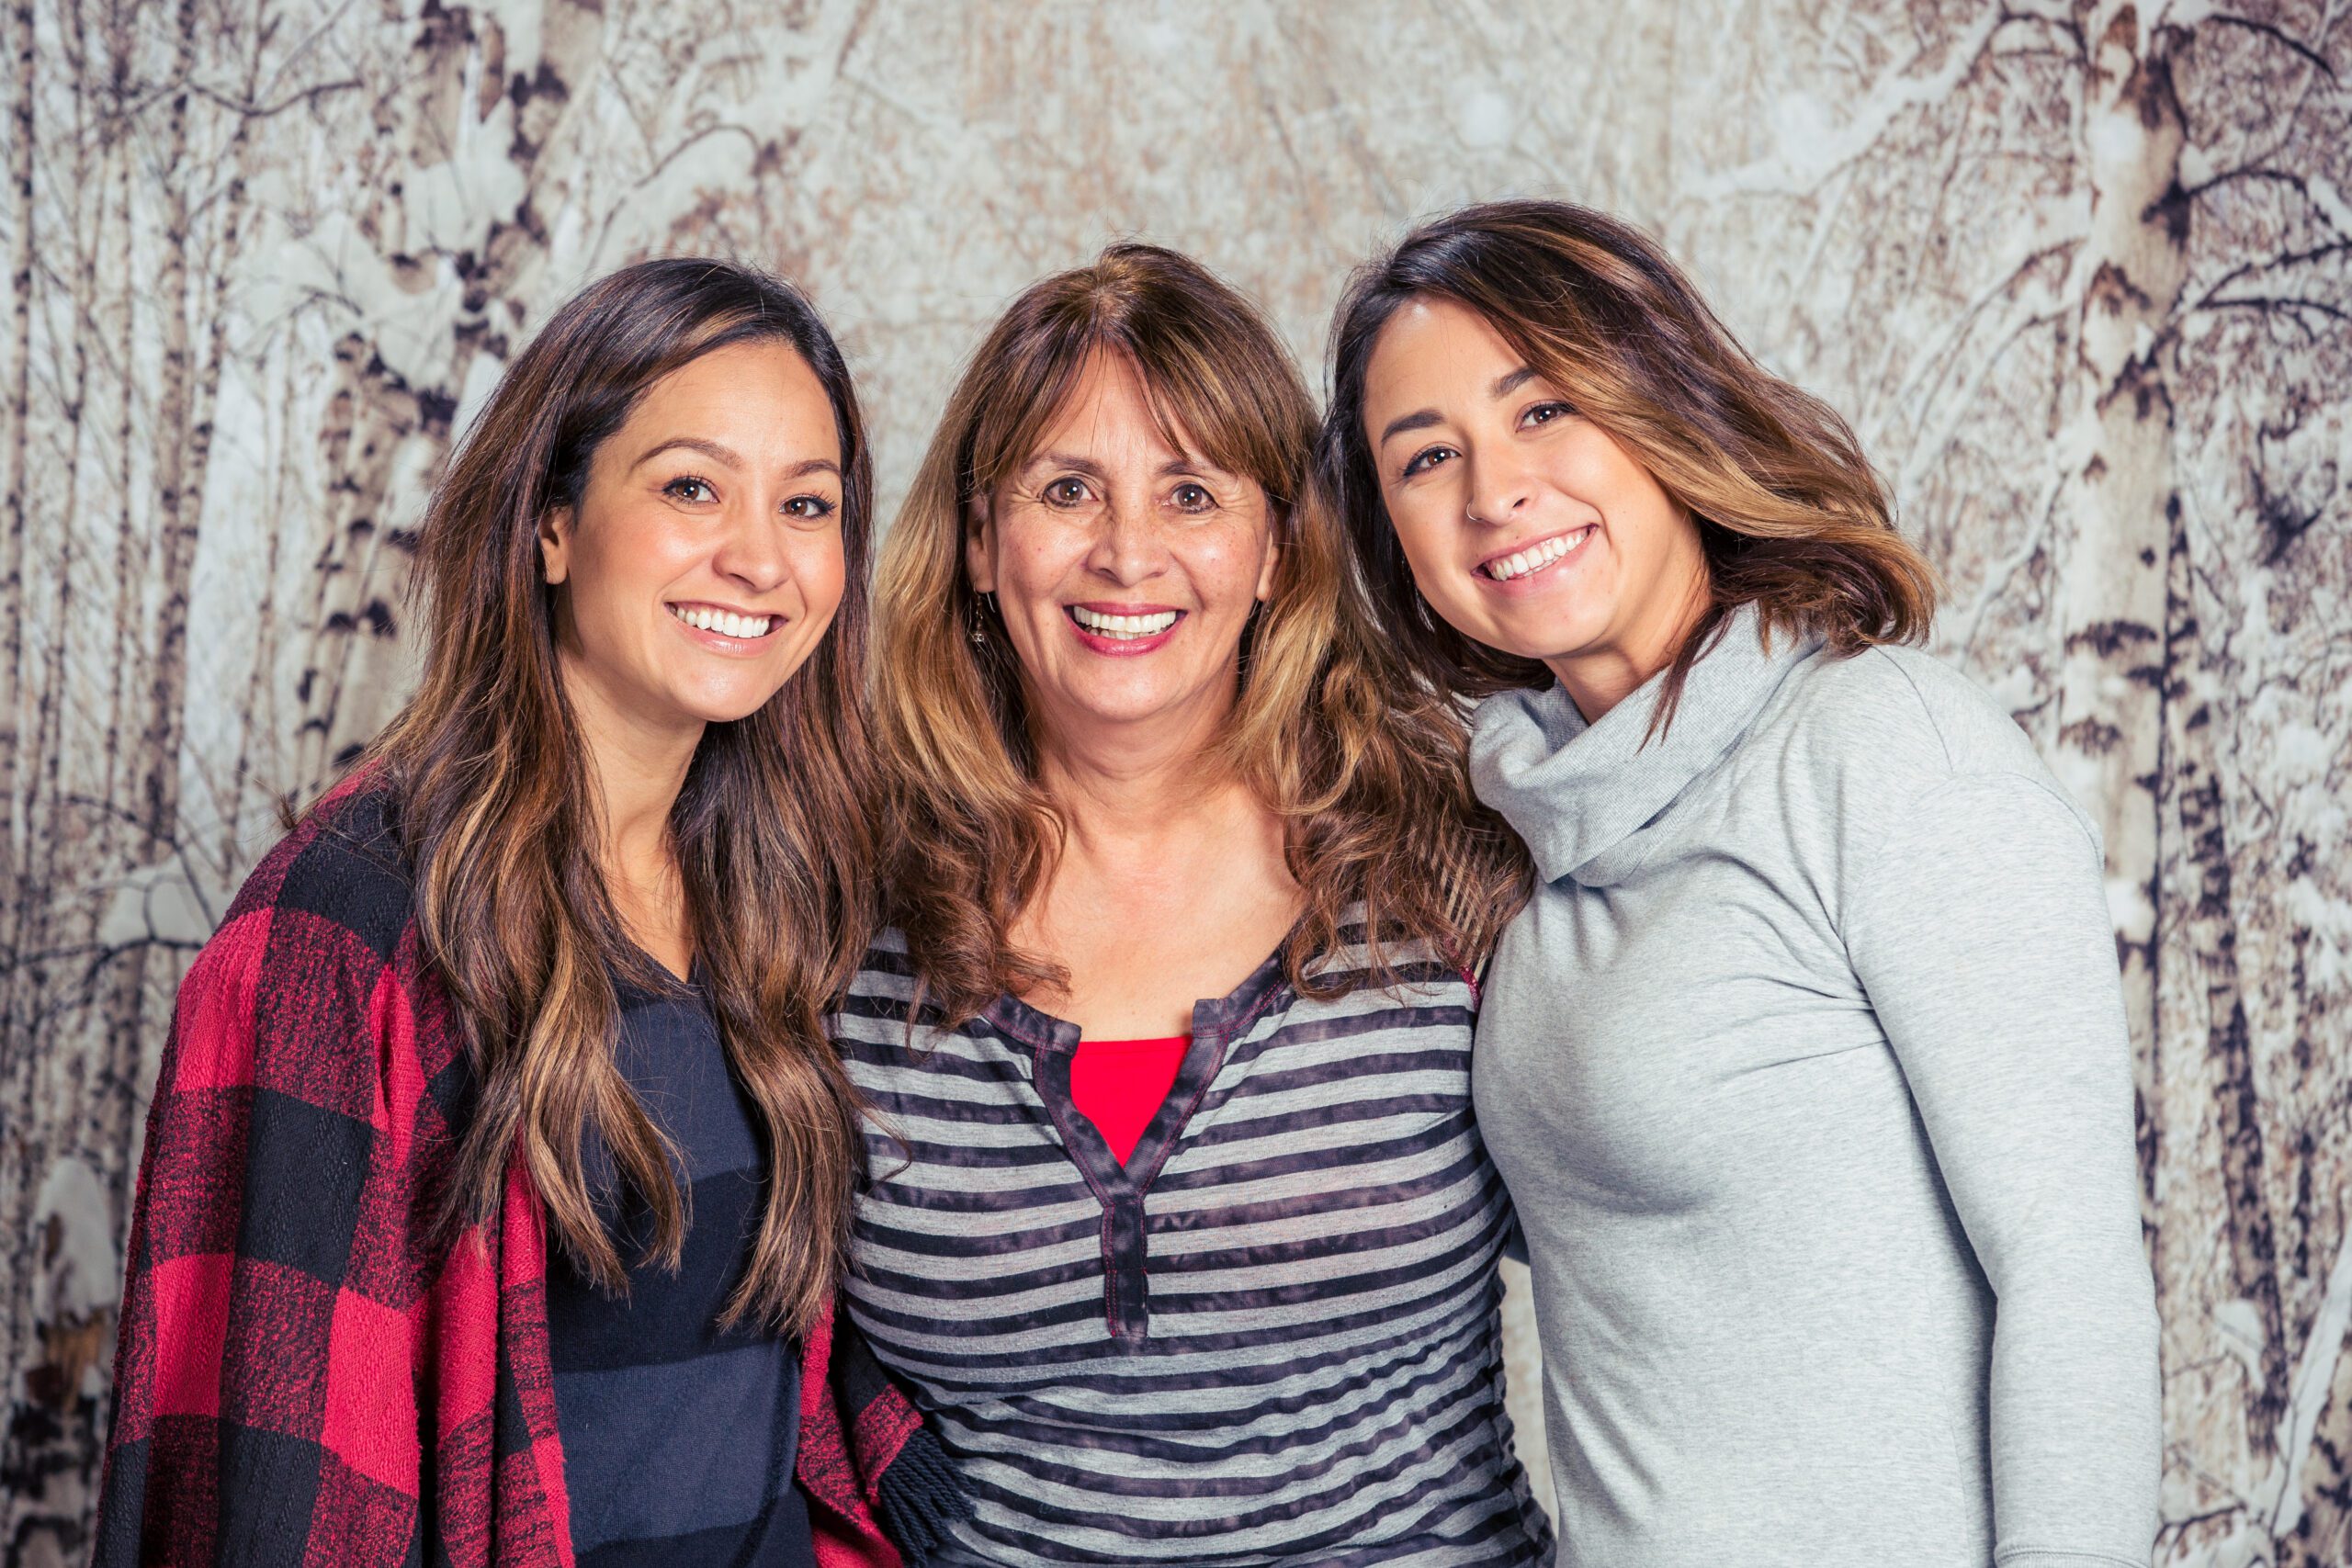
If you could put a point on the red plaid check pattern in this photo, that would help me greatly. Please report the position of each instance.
(312, 1369)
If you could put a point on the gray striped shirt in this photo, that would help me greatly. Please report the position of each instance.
(1270, 1337)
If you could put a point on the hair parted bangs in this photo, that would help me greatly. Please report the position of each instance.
(1792, 518)
(496, 801)
(1363, 764)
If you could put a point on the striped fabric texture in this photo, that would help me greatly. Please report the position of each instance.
(1270, 1337)
(678, 1435)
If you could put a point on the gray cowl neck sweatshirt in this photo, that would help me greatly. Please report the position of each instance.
(1807, 1069)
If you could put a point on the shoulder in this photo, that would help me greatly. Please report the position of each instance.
(342, 866)
(1930, 715)
(881, 991)
(887, 967)
(290, 994)
(1883, 740)
(1402, 973)
(322, 917)
(1904, 717)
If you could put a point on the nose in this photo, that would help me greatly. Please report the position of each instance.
(750, 552)
(1127, 548)
(1500, 485)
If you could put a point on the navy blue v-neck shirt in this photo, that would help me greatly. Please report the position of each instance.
(678, 1437)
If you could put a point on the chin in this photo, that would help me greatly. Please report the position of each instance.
(715, 707)
(1111, 709)
(1545, 643)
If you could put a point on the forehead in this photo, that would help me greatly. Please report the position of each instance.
(760, 396)
(1111, 410)
(1429, 349)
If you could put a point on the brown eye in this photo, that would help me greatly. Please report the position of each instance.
(809, 508)
(687, 487)
(1427, 459)
(1193, 498)
(1066, 491)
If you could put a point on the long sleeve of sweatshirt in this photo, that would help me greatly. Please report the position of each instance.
(1979, 932)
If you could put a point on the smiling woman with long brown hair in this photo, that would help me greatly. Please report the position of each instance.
(1806, 1062)
(1177, 1222)
(493, 1201)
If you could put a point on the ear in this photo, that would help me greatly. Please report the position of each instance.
(979, 546)
(1266, 568)
(554, 544)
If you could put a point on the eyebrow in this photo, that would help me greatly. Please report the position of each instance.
(1187, 463)
(727, 454)
(693, 444)
(1062, 460)
(1421, 418)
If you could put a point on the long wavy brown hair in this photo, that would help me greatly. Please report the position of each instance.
(496, 803)
(1363, 765)
(1792, 518)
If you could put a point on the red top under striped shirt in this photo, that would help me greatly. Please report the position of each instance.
(1120, 1085)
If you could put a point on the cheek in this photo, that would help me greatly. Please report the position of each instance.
(1222, 570)
(1035, 558)
(622, 558)
(1594, 470)
(821, 569)
(1427, 543)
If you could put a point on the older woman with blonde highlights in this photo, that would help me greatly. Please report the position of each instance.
(1177, 1222)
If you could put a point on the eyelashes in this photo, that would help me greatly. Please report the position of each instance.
(1425, 459)
(1189, 496)
(1548, 411)
(695, 490)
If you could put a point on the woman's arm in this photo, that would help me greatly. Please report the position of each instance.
(265, 1402)
(1980, 932)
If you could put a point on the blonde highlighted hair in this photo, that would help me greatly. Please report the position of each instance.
(1364, 766)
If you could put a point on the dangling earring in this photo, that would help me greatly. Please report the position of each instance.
(979, 628)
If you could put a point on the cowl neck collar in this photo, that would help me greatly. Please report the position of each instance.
(1581, 794)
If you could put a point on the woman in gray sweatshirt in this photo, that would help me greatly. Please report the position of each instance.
(1806, 1064)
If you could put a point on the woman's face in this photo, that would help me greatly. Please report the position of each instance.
(1526, 525)
(704, 563)
(1124, 568)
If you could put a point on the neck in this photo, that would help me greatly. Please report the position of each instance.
(637, 767)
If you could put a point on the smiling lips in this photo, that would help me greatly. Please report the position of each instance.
(721, 621)
(1122, 630)
(1534, 558)
(1147, 623)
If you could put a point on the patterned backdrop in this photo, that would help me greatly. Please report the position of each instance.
(2079, 271)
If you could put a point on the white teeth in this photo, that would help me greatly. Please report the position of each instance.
(724, 622)
(1520, 562)
(1124, 626)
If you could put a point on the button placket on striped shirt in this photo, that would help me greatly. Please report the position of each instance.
(1122, 1187)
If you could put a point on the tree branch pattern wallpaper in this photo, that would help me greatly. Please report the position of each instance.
(2080, 272)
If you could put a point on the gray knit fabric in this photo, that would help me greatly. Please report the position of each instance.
(1807, 1069)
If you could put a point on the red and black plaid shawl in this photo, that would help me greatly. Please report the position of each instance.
(306, 1375)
